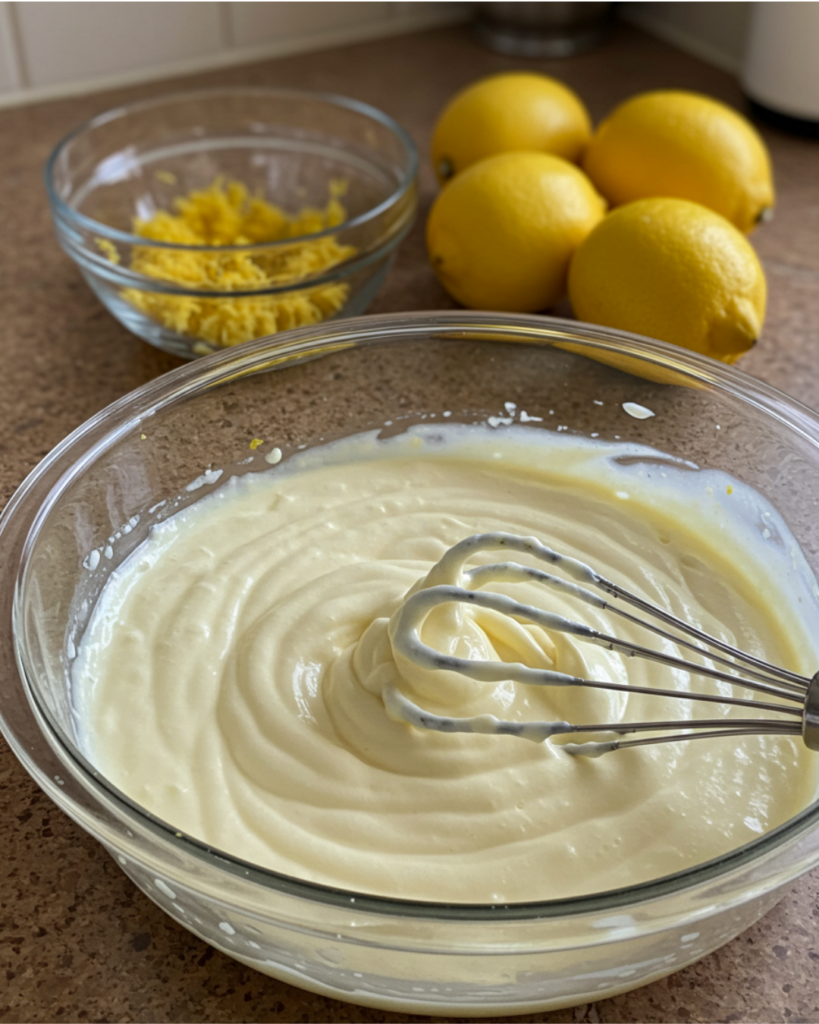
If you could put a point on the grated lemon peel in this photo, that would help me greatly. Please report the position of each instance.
(227, 214)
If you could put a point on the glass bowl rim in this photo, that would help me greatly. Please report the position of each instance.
(64, 212)
(218, 368)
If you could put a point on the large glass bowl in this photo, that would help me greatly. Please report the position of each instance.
(295, 149)
(108, 479)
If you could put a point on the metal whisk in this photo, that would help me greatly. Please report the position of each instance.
(797, 697)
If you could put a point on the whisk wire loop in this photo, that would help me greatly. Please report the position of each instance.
(796, 696)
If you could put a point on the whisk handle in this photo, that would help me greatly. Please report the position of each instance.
(810, 716)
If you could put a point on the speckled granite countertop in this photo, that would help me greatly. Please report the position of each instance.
(77, 941)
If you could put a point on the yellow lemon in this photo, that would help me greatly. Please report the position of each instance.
(511, 111)
(672, 270)
(500, 236)
(681, 144)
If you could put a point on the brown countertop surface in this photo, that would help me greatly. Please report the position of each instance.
(78, 942)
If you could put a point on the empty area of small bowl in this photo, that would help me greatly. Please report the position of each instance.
(297, 150)
(97, 495)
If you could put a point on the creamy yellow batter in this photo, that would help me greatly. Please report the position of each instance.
(225, 686)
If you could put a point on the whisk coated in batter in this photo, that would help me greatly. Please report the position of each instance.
(792, 700)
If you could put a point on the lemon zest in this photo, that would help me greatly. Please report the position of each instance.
(108, 249)
(227, 214)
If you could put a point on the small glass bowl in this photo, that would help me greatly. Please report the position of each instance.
(97, 495)
(295, 149)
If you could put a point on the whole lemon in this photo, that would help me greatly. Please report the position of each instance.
(501, 234)
(672, 270)
(510, 111)
(681, 144)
